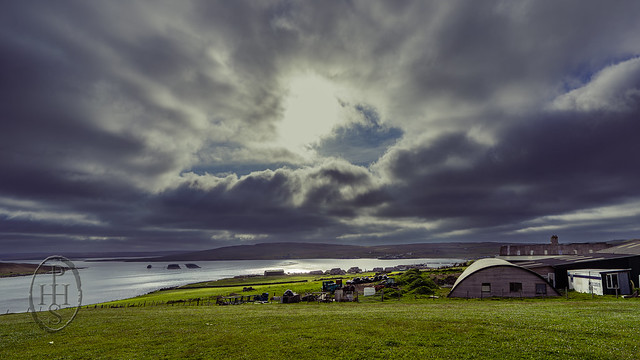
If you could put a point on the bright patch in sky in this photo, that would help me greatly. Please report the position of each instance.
(311, 111)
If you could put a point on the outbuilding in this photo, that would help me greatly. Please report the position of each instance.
(276, 272)
(600, 281)
(556, 268)
(497, 277)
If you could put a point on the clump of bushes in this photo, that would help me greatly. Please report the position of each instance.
(392, 293)
(415, 281)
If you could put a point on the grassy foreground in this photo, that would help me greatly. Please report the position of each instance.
(446, 329)
(170, 324)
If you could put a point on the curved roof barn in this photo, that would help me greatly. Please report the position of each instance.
(497, 277)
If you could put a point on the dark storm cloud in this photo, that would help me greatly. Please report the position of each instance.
(510, 56)
(555, 164)
(118, 85)
(278, 201)
(46, 111)
(146, 125)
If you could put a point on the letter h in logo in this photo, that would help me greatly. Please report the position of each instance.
(56, 270)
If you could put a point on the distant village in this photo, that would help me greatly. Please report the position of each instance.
(354, 270)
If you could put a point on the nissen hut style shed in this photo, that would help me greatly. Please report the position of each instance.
(497, 277)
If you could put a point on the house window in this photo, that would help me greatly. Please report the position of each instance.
(541, 289)
(515, 287)
(486, 287)
(612, 281)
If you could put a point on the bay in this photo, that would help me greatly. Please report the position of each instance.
(114, 280)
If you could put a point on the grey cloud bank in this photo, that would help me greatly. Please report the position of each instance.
(149, 125)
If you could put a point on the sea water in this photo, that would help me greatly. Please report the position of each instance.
(114, 280)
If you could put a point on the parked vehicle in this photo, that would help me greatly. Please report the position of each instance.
(330, 286)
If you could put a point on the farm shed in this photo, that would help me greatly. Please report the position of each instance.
(497, 277)
(276, 272)
(556, 267)
(600, 281)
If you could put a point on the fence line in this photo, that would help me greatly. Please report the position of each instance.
(188, 302)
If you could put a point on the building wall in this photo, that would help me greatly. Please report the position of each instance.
(593, 281)
(547, 272)
(585, 281)
(624, 285)
(551, 249)
(500, 279)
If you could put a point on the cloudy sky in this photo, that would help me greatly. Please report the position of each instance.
(152, 125)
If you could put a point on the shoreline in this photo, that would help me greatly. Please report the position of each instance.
(8, 269)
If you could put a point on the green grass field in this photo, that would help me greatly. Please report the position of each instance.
(409, 328)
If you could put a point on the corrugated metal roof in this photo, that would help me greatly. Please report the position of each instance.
(630, 248)
(479, 265)
(599, 271)
(492, 262)
(570, 259)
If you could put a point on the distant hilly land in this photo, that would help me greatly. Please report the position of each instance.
(19, 269)
(288, 250)
(84, 255)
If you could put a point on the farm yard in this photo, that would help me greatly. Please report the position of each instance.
(173, 324)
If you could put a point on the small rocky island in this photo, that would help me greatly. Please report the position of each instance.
(177, 266)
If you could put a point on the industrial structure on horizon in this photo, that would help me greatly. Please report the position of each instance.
(553, 248)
